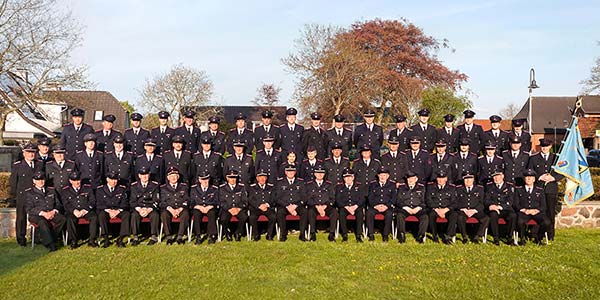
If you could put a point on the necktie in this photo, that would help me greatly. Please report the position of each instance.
(205, 155)
(136, 131)
(489, 160)
(337, 161)
(464, 156)
(318, 184)
(291, 182)
(76, 190)
(468, 129)
(177, 156)
(162, 130)
(393, 155)
(468, 190)
(449, 131)
(77, 129)
(214, 133)
(371, 127)
(414, 155)
(496, 134)
(514, 154)
(43, 190)
(240, 158)
(144, 185)
(120, 155)
(240, 132)
(90, 154)
(190, 129)
(31, 164)
(339, 132)
(381, 184)
(173, 186)
(291, 128)
(105, 133)
(424, 128)
(149, 157)
(60, 164)
(111, 189)
(545, 156)
(439, 158)
(498, 185)
(204, 189)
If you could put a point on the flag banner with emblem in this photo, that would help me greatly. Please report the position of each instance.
(572, 163)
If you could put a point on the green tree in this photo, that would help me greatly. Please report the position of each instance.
(441, 101)
(127, 106)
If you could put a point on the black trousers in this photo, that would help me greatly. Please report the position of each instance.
(330, 212)
(211, 227)
(104, 220)
(387, 221)
(282, 212)
(483, 219)
(508, 215)
(270, 214)
(452, 218)
(136, 220)
(21, 221)
(537, 230)
(343, 215)
(167, 219)
(49, 230)
(551, 202)
(421, 215)
(72, 222)
(242, 217)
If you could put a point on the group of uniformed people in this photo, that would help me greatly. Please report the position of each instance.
(432, 176)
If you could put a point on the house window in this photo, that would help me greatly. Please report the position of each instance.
(98, 115)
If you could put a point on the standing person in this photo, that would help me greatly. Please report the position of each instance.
(339, 135)
(174, 201)
(488, 163)
(43, 154)
(449, 134)
(369, 134)
(321, 201)
(120, 161)
(204, 202)
(90, 162)
(207, 161)
(524, 136)
(43, 207)
(401, 133)
(290, 194)
(410, 201)
(79, 203)
(336, 164)
(382, 193)
(241, 162)
(153, 162)
(531, 205)
(350, 198)
(309, 164)
(515, 162)
(315, 137)
(214, 135)
(394, 160)
(466, 160)
(472, 132)
(106, 135)
(189, 131)
(143, 200)
(442, 160)
(162, 134)
(261, 202)
(426, 132)
(20, 180)
(541, 163)
(268, 159)
(291, 134)
(136, 135)
(72, 134)
(499, 203)
(180, 158)
(233, 203)
(240, 134)
(365, 168)
(496, 135)
(418, 160)
(440, 197)
(266, 129)
(469, 198)
(112, 203)
(58, 170)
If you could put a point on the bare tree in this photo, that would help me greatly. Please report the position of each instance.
(593, 82)
(335, 75)
(509, 111)
(173, 91)
(37, 38)
(268, 95)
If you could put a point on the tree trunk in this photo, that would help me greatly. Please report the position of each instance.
(2, 122)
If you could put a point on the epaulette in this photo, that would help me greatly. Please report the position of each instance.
(254, 184)
(29, 189)
(270, 184)
(195, 185)
(66, 187)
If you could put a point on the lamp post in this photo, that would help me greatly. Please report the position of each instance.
(532, 85)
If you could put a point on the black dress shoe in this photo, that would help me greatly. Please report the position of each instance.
(120, 243)
(256, 238)
(496, 242)
(228, 237)
(344, 237)
(331, 237)
(401, 238)
(92, 244)
(269, 237)
(447, 241)
(436, 239)
(523, 242)
(465, 240)
(212, 240)
(359, 239)
(52, 248)
(302, 238)
(476, 240)
(313, 237)
(283, 238)
(371, 237)
(105, 243)
(135, 242)
(170, 241)
(385, 238)
(421, 239)
(238, 237)
(152, 242)
(22, 244)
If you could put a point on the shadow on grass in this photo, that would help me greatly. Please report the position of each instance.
(12, 256)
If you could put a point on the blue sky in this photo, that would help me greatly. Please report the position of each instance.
(240, 43)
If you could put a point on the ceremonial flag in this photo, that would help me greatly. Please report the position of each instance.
(572, 163)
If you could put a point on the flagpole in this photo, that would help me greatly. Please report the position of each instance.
(578, 105)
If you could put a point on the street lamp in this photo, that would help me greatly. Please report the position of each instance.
(532, 85)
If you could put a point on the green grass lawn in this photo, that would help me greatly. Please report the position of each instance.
(567, 269)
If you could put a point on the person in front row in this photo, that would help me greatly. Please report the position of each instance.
(79, 203)
(469, 199)
(43, 206)
(174, 200)
(530, 201)
(350, 198)
(410, 201)
(234, 203)
(112, 204)
(143, 200)
(382, 194)
(204, 201)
